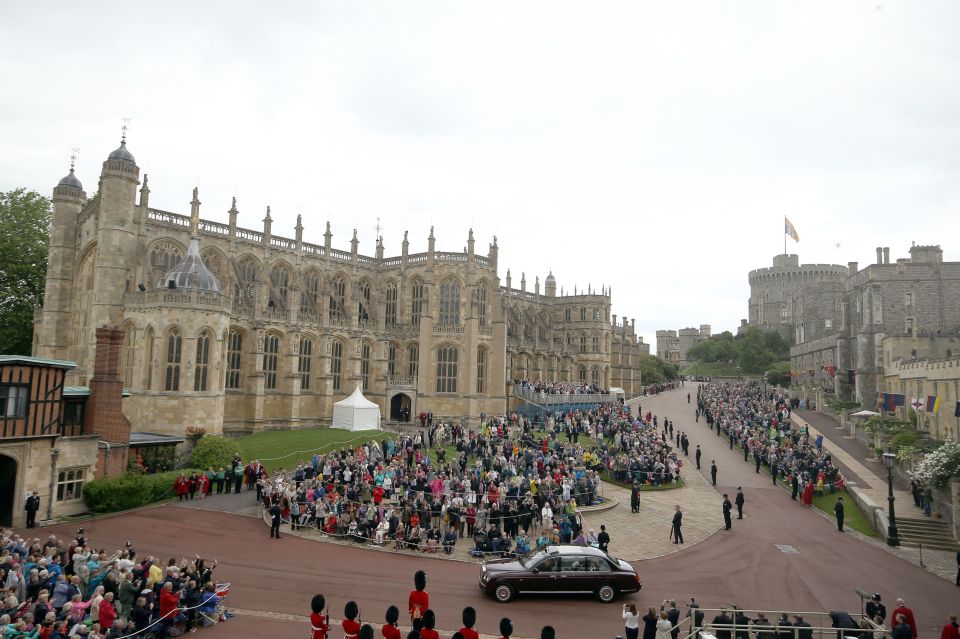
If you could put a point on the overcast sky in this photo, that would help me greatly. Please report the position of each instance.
(654, 148)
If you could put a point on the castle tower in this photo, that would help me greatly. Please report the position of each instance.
(116, 237)
(550, 285)
(52, 337)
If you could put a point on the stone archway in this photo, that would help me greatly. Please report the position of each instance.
(401, 407)
(8, 485)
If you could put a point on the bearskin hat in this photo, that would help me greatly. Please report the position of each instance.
(469, 617)
(429, 619)
(393, 613)
(351, 610)
(318, 603)
(420, 580)
(366, 631)
(548, 633)
(506, 627)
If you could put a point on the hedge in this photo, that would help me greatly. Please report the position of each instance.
(129, 490)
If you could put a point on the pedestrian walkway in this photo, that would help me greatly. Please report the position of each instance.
(873, 485)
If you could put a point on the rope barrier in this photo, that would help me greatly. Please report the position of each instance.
(178, 609)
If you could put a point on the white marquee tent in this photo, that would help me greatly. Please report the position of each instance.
(356, 413)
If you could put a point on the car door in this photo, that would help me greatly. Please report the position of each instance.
(543, 577)
(573, 574)
(598, 572)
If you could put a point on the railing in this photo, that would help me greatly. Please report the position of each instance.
(250, 236)
(176, 297)
(280, 314)
(393, 380)
(417, 258)
(340, 322)
(214, 228)
(165, 217)
(481, 260)
(820, 623)
(364, 259)
(450, 257)
(337, 254)
(448, 329)
(392, 261)
(314, 249)
(283, 242)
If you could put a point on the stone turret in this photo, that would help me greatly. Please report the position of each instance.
(550, 285)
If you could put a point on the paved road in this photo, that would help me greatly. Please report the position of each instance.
(273, 579)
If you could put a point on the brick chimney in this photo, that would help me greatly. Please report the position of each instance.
(103, 415)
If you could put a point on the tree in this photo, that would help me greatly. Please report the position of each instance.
(24, 231)
(654, 370)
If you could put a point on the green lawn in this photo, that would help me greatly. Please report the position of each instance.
(283, 448)
(853, 517)
(712, 369)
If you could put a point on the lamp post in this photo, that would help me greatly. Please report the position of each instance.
(893, 537)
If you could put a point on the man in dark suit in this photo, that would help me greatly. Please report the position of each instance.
(738, 500)
(727, 506)
(275, 520)
(675, 529)
(32, 505)
(699, 454)
(713, 471)
(838, 511)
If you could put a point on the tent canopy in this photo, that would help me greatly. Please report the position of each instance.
(864, 413)
(356, 412)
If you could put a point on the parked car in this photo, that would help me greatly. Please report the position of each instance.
(559, 569)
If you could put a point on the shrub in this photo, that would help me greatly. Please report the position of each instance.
(938, 467)
(126, 491)
(910, 438)
(213, 451)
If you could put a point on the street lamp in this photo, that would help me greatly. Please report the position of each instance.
(893, 537)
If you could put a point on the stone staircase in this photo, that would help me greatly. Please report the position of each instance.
(928, 532)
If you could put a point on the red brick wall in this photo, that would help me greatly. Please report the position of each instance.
(104, 416)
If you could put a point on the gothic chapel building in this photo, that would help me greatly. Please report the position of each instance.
(235, 330)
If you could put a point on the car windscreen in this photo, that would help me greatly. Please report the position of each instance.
(531, 559)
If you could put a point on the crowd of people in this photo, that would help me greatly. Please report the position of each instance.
(759, 422)
(501, 484)
(60, 589)
(560, 388)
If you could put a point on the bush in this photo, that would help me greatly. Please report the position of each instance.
(213, 451)
(129, 490)
(910, 438)
(938, 467)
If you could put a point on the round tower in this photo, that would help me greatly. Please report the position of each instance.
(550, 285)
(116, 234)
(52, 338)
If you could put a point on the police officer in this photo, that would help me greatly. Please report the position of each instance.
(727, 506)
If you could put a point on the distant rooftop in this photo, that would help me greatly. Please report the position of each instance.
(36, 361)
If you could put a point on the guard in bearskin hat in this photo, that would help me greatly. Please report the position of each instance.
(319, 622)
(351, 623)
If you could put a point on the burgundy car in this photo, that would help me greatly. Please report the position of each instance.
(559, 569)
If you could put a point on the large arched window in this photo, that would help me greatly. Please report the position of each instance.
(363, 301)
(234, 360)
(279, 284)
(391, 361)
(245, 291)
(201, 370)
(338, 299)
(583, 343)
(582, 370)
(365, 365)
(271, 355)
(481, 370)
(174, 354)
(450, 303)
(418, 303)
(596, 344)
(305, 362)
(163, 257)
(447, 369)
(129, 355)
(413, 362)
(595, 375)
(148, 358)
(390, 308)
(336, 364)
(482, 304)
(310, 295)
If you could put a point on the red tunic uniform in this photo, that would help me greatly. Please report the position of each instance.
(417, 603)
(351, 628)
(318, 624)
(469, 633)
(390, 631)
(427, 633)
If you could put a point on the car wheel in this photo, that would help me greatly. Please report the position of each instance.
(606, 593)
(504, 593)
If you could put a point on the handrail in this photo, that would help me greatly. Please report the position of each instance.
(772, 626)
